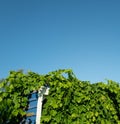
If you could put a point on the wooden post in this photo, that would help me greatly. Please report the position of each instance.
(43, 91)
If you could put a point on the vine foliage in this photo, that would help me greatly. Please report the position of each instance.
(70, 101)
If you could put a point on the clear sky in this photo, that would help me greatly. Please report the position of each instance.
(46, 35)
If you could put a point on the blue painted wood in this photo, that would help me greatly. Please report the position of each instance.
(31, 112)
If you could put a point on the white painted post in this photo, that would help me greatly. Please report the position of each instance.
(39, 109)
(43, 91)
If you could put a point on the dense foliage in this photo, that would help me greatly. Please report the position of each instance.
(70, 100)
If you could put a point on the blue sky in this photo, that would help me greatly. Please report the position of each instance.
(46, 35)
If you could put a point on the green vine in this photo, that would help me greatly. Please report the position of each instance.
(70, 101)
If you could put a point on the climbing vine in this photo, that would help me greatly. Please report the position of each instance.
(70, 101)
